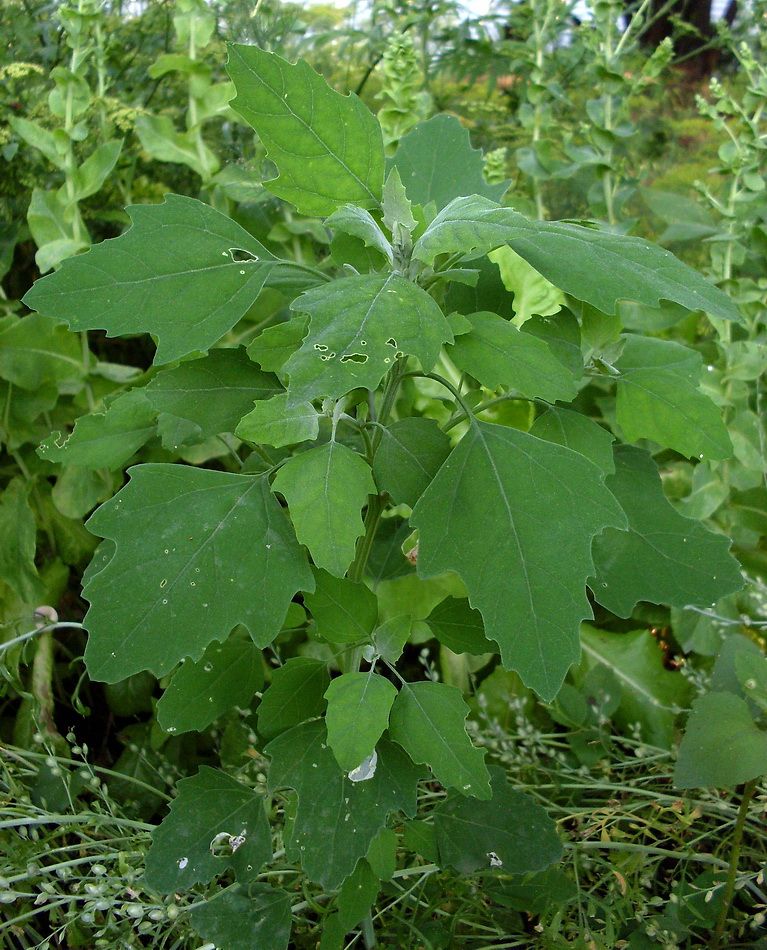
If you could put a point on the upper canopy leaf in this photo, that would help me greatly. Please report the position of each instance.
(197, 552)
(358, 326)
(436, 162)
(184, 273)
(507, 505)
(327, 147)
(596, 266)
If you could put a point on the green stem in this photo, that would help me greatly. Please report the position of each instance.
(737, 840)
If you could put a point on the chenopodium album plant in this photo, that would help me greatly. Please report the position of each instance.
(362, 420)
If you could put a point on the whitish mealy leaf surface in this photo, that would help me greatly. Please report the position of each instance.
(270, 422)
(511, 832)
(325, 489)
(596, 266)
(228, 674)
(211, 394)
(357, 328)
(337, 819)
(577, 432)
(197, 552)
(296, 693)
(105, 439)
(663, 557)
(256, 917)
(429, 721)
(344, 611)
(209, 804)
(184, 273)
(658, 398)
(408, 457)
(327, 147)
(358, 714)
(508, 505)
(456, 624)
(722, 746)
(436, 162)
(497, 354)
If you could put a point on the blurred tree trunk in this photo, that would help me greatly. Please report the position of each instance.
(691, 45)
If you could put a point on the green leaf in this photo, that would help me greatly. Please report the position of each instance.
(428, 721)
(184, 273)
(649, 694)
(596, 266)
(328, 148)
(325, 489)
(18, 541)
(722, 746)
(211, 394)
(362, 225)
(272, 347)
(337, 819)
(228, 674)
(254, 918)
(357, 894)
(497, 354)
(659, 399)
(344, 611)
(357, 716)
(664, 557)
(421, 838)
(507, 505)
(454, 623)
(104, 440)
(296, 693)
(510, 832)
(197, 552)
(533, 294)
(382, 854)
(209, 804)
(271, 422)
(408, 457)
(160, 139)
(436, 162)
(358, 326)
(36, 350)
(390, 638)
(752, 675)
(577, 432)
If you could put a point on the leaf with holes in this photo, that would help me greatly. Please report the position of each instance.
(358, 326)
(197, 552)
(184, 273)
(508, 505)
(325, 489)
(328, 148)
(210, 806)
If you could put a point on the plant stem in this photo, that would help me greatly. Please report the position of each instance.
(737, 840)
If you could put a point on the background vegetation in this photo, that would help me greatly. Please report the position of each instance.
(645, 118)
